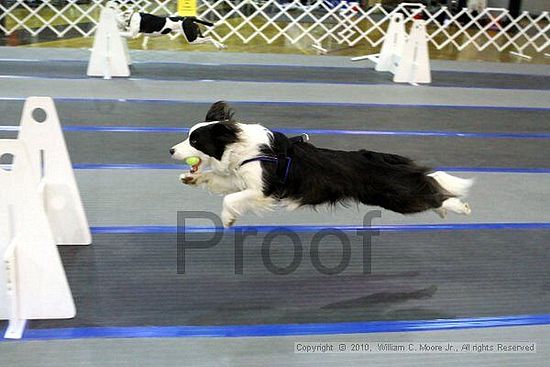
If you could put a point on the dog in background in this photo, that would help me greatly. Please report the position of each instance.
(477, 5)
(257, 169)
(149, 25)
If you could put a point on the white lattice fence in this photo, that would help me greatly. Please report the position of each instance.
(63, 16)
(320, 22)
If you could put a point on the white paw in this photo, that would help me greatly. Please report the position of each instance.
(189, 178)
(228, 219)
(456, 206)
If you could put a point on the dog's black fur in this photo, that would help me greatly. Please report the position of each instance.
(324, 176)
(150, 23)
(220, 111)
(212, 139)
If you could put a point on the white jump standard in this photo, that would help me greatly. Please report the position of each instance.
(405, 56)
(40, 207)
(110, 56)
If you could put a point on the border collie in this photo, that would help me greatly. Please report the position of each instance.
(154, 26)
(257, 169)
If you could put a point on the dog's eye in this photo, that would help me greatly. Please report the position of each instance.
(194, 141)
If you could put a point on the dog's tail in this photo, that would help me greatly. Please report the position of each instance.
(201, 21)
(456, 186)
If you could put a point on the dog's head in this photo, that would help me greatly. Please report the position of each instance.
(114, 4)
(123, 11)
(208, 140)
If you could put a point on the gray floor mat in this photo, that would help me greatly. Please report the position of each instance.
(296, 116)
(122, 147)
(271, 74)
(133, 280)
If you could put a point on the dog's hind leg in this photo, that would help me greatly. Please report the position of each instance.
(217, 44)
(239, 203)
(145, 42)
(454, 205)
(201, 40)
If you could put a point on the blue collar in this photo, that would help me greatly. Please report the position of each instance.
(278, 161)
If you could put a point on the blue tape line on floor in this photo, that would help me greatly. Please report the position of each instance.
(316, 228)
(284, 329)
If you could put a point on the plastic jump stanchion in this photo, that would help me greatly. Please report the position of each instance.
(394, 40)
(40, 207)
(405, 56)
(110, 56)
(414, 65)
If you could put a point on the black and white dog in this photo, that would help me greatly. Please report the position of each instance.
(150, 25)
(256, 169)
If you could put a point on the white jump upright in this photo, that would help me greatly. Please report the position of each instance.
(110, 56)
(405, 56)
(49, 155)
(392, 48)
(41, 205)
(414, 66)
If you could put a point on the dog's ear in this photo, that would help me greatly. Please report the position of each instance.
(219, 111)
(225, 132)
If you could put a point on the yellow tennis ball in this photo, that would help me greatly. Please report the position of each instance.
(191, 161)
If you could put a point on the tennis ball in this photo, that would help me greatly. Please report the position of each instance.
(191, 161)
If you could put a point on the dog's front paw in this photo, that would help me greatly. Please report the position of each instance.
(228, 219)
(189, 178)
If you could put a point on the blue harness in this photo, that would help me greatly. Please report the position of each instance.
(282, 161)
